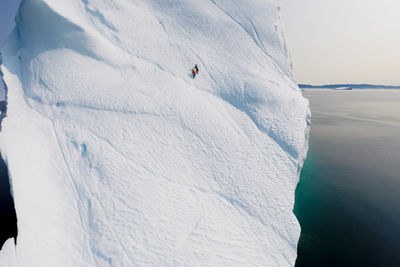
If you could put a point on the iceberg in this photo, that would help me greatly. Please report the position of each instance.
(117, 157)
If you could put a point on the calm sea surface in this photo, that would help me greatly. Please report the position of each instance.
(348, 198)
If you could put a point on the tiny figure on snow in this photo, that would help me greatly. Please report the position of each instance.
(195, 71)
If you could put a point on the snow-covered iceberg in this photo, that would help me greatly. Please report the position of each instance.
(118, 157)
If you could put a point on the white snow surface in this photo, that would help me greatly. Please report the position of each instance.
(117, 157)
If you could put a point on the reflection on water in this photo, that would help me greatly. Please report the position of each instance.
(348, 198)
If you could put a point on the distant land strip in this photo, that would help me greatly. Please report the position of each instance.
(349, 86)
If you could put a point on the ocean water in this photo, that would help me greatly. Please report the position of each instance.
(348, 197)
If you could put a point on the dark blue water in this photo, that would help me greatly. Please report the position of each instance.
(348, 198)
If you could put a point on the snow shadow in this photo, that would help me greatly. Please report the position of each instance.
(248, 101)
(3, 94)
(3, 109)
(8, 221)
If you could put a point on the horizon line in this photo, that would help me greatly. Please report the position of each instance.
(353, 85)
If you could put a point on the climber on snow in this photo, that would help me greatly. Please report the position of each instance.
(195, 71)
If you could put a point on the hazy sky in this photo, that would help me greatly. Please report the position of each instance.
(333, 41)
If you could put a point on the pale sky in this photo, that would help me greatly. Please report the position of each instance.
(343, 41)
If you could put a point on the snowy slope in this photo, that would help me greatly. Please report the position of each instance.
(119, 158)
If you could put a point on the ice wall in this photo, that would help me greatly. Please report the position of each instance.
(119, 158)
(3, 87)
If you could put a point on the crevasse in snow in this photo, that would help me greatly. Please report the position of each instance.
(118, 157)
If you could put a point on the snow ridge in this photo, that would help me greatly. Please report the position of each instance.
(119, 158)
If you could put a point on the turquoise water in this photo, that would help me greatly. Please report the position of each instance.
(348, 198)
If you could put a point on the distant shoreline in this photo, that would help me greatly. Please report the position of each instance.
(349, 86)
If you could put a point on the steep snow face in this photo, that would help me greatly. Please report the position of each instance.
(118, 157)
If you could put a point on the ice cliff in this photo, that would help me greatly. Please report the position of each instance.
(117, 157)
